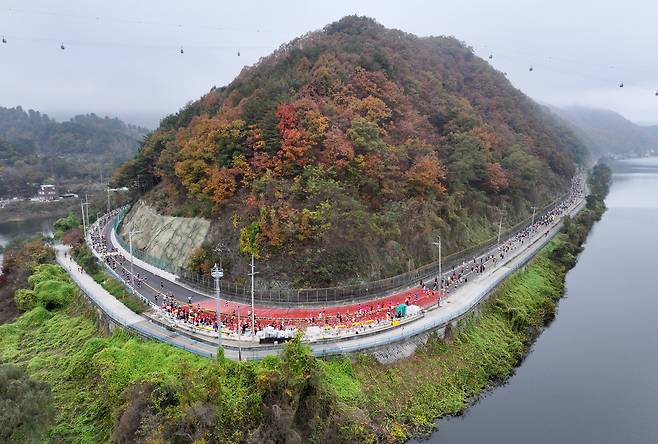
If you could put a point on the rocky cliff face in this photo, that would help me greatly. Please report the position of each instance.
(173, 239)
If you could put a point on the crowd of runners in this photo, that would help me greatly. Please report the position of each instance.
(459, 275)
(236, 319)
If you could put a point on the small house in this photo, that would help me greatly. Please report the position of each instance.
(47, 192)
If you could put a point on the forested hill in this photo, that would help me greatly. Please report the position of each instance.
(606, 132)
(35, 148)
(343, 154)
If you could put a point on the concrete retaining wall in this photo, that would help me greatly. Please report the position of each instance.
(173, 239)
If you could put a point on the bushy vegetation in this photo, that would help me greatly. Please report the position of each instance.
(65, 224)
(35, 148)
(49, 287)
(126, 389)
(26, 404)
(20, 258)
(354, 145)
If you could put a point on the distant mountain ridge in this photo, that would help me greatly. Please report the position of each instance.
(35, 148)
(607, 132)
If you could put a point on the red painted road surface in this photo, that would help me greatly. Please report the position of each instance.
(372, 310)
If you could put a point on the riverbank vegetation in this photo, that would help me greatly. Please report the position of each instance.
(124, 389)
(19, 260)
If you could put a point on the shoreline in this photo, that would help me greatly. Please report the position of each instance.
(25, 211)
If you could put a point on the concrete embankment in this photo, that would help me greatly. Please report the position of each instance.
(172, 239)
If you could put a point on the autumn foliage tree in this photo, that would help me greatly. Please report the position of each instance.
(425, 176)
(496, 177)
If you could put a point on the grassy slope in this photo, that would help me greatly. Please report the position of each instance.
(88, 373)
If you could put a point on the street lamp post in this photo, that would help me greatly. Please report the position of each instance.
(500, 227)
(239, 334)
(84, 223)
(87, 208)
(534, 210)
(132, 233)
(438, 244)
(108, 199)
(217, 273)
(84, 206)
(253, 311)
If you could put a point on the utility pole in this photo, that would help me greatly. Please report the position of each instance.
(438, 244)
(85, 215)
(131, 233)
(108, 199)
(534, 210)
(217, 273)
(87, 208)
(253, 310)
(239, 332)
(500, 228)
(84, 224)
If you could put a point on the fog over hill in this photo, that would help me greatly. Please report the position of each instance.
(35, 148)
(607, 132)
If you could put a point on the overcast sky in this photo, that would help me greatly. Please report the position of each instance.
(123, 57)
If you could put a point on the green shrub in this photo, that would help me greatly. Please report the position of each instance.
(26, 406)
(54, 293)
(25, 299)
(85, 258)
(50, 288)
(116, 289)
(65, 224)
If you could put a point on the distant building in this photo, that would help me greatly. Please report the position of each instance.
(68, 196)
(47, 192)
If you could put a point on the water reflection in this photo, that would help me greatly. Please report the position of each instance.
(17, 229)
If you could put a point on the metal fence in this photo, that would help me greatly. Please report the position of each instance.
(340, 294)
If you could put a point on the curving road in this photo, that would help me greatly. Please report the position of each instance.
(457, 304)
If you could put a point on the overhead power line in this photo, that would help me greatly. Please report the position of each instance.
(535, 62)
(133, 21)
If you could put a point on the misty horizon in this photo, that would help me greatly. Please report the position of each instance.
(124, 60)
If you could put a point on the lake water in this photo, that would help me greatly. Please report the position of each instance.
(16, 229)
(592, 376)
